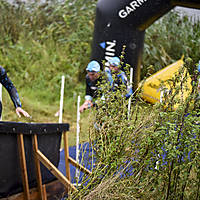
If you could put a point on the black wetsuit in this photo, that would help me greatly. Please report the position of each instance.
(7, 83)
(92, 88)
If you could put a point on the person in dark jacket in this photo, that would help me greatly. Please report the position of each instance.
(92, 79)
(7, 83)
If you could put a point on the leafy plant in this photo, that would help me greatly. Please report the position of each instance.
(154, 154)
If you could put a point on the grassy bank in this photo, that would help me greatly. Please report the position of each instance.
(41, 42)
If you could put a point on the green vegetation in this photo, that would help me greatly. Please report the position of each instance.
(168, 39)
(41, 42)
(153, 154)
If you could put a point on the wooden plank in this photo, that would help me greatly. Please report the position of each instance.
(37, 168)
(55, 171)
(77, 165)
(66, 149)
(22, 158)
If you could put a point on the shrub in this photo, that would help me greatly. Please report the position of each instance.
(154, 154)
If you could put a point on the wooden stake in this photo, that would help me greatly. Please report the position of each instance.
(66, 149)
(37, 167)
(23, 166)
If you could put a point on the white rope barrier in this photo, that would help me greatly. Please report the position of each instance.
(77, 134)
(131, 83)
(61, 99)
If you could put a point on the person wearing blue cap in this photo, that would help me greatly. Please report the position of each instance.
(121, 78)
(92, 80)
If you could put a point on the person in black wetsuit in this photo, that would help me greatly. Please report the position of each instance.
(92, 79)
(7, 83)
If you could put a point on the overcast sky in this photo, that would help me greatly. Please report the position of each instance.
(188, 11)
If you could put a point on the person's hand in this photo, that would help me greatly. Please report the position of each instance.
(83, 107)
(20, 111)
(86, 105)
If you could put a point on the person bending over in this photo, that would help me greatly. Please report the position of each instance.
(92, 79)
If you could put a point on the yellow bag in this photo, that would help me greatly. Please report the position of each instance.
(151, 89)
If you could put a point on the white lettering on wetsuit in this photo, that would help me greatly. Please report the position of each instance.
(123, 13)
(110, 50)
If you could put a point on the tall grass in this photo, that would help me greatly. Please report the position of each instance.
(168, 39)
(41, 42)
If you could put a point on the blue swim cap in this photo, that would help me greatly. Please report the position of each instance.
(93, 66)
(115, 61)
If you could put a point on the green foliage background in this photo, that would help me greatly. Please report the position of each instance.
(41, 42)
(168, 39)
